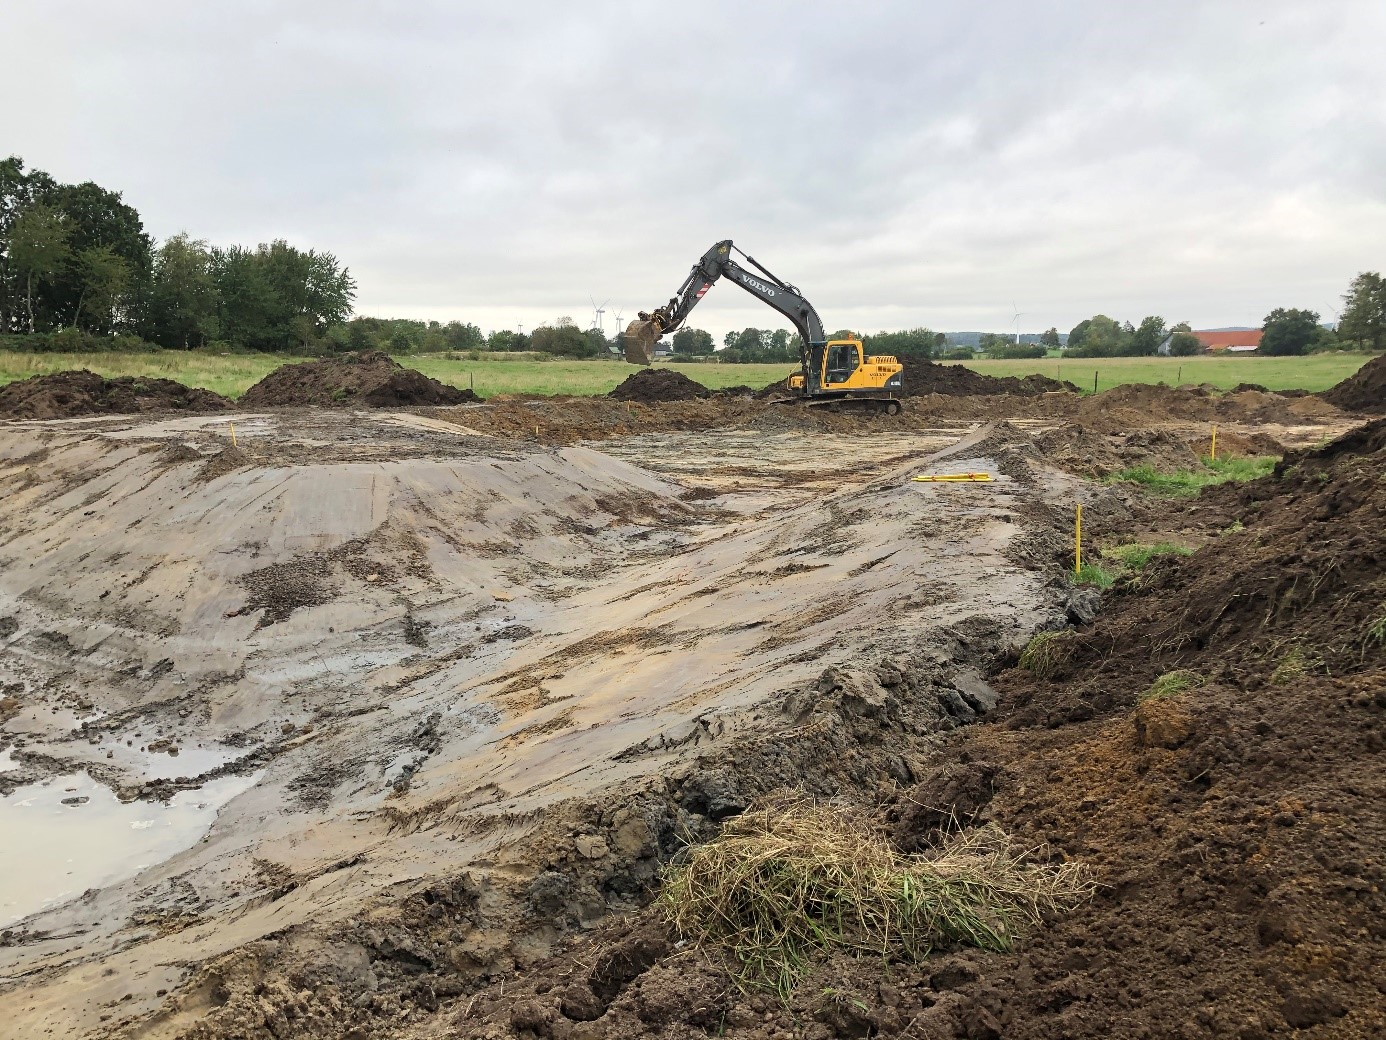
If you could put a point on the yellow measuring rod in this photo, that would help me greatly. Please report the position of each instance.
(951, 478)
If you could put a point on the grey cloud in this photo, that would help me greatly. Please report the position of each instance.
(904, 163)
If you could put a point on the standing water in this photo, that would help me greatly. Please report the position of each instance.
(67, 834)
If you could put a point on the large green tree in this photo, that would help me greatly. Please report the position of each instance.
(1050, 339)
(1182, 341)
(1003, 347)
(277, 297)
(563, 339)
(1145, 339)
(184, 299)
(37, 251)
(694, 342)
(915, 343)
(98, 219)
(1289, 331)
(1099, 336)
(103, 281)
(1364, 311)
(18, 191)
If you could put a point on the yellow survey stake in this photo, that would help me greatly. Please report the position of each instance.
(956, 478)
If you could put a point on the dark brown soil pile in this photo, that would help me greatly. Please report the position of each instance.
(65, 395)
(370, 379)
(1236, 813)
(926, 377)
(653, 385)
(1363, 391)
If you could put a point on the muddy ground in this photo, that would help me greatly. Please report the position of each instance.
(381, 724)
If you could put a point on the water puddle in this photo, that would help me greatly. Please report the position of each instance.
(40, 718)
(67, 834)
(189, 762)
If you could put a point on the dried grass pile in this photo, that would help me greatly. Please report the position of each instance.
(789, 881)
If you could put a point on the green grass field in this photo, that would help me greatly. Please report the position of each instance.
(231, 374)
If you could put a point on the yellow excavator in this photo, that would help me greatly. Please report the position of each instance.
(831, 372)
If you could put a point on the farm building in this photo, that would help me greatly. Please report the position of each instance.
(1235, 341)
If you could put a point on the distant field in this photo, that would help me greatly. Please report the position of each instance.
(231, 375)
(1313, 372)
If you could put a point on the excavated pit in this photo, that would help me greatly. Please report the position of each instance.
(428, 694)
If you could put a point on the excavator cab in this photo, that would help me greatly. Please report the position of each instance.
(841, 358)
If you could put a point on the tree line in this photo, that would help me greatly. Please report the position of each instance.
(76, 263)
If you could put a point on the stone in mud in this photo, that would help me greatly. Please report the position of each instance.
(980, 697)
(1081, 606)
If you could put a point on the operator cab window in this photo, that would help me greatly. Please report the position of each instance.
(841, 362)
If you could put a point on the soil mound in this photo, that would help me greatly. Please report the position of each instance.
(370, 378)
(64, 395)
(653, 385)
(926, 377)
(1363, 391)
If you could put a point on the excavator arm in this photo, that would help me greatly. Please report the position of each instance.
(717, 262)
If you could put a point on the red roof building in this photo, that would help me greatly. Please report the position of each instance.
(1220, 341)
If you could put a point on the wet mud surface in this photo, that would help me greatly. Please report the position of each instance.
(452, 685)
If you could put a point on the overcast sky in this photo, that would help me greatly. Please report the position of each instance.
(905, 163)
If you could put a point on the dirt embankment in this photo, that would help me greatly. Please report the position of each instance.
(1213, 745)
(1363, 391)
(66, 395)
(370, 378)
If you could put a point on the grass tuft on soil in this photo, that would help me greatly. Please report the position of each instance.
(1188, 482)
(1137, 554)
(1044, 654)
(1296, 663)
(1093, 574)
(1171, 684)
(1376, 631)
(787, 882)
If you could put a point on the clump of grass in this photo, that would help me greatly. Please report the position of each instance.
(1376, 631)
(1044, 654)
(1295, 664)
(1136, 555)
(1093, 574)
(1183, 483)
(1171, 684)
(787, 882)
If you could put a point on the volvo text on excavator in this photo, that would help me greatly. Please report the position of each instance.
(830, 371)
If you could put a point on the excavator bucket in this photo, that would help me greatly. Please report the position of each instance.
(641, 336)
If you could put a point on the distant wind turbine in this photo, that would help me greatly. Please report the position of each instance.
(1016, 321)
(597, 313)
